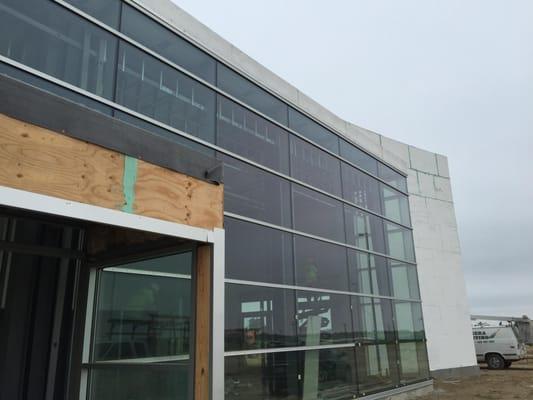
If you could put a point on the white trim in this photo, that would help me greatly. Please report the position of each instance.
(218, 315)
(288, 349)
(144, 360)
(144, 272)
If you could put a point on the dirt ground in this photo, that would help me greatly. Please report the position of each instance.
(513, 383)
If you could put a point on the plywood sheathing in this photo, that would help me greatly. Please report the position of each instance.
(46, 162)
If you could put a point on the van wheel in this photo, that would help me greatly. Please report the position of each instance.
(495, 361)
(508, 364)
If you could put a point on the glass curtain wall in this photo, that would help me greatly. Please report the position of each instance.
(320, 258)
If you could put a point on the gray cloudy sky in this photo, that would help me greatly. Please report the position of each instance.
(450, 76)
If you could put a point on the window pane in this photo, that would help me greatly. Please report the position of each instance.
(140, 316)
(258, 253)
(385, 330)
(392, 177)
(152, 88)
(317, 214)
(323, 318)
(47, 37)
(413, 362)
(259, 317)
(255, 193)
(404, 280)
(244, 90)
(315, 167)
(395, 205)
(308, 128)
(245, 133)
(328, 374)
(376, 367)
(271, 376)
(409, 320)
(399, 242)
(106, 11)
(368, 273)
(359, 157)
(364, 230)
(179, 264)
(363, 319)
(140, 382)
(360, 188)
(320, 264)
(167, 44)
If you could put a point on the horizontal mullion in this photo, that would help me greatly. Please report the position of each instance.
(313, 289)
(287, 349)
(311, 236)
(229, 96)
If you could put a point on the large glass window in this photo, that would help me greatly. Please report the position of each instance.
(359, 157)
(395, 205)
(250, 94)
(360, 188)
(399, 242)
(363, 319)
(152, 88)
(317, 214)
(153, 35)
(310, 129)
(410, 325)
(259, 317)
(392, 177)
(376, 367)
(364, 230)
(254, 193)
(315, 167)
(47, 37)
(320, 264)
(385, 329)
(247, 134)
(404, 280)
(107, 11)
(368, 273)
(413, 361)
(323, 318)
(257, 253)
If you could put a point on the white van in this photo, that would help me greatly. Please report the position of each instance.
(498, 346)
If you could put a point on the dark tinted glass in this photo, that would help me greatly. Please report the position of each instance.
(328, 374)
(413, 361)
(255, 193)
(174, 137)
(359, 157)
(409, 320)
(377, 367)
(323, 318)
(360, 188)
(317, 214)
(308, 128)
(152, 88)
(47, 37)
(250, 94)
(258, 253)
(395, 205)
(320, 264)
(315, 167)
(259, 317)
(399, 242)
(385, 329)
(404, 280)
(368, 273)
(245, 133)
(107, 11)
(167, 44)
(271, 376)
(364, 230)
(363, 319)
(392, 177)
(175, 264)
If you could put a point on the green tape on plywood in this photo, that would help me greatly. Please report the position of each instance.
(128, 183)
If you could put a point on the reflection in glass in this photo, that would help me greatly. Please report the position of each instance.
(368, 273)
(395, 205)
(404, 280)
(106, 11)
(311, 165)
(47, 37)
(259, 317)
(392, 177)
(313, 131)
(359, 157)
(257, 253)
(271, 376)
(360, 188)
(152, 88)
(247, 134)
(399, 242)
(254, 193)
(320, 264)
(363, 319)
(323, 318)
(385, 329)
(413, 362)
(364, 230)
(317, 214)
(376, 367)
(410, 325)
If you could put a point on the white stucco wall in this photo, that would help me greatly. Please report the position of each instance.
(442, 286)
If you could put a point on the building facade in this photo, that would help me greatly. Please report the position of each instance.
(319, 294)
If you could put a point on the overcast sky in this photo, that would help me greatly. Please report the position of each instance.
(450, 76)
